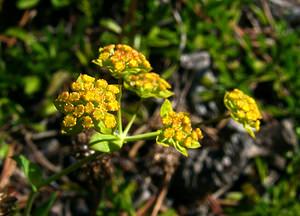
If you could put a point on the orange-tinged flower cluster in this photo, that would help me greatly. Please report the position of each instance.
(121, 59)
(89, 103)
(243, 109)
(178, 132)
(148, 85)
(125, 63)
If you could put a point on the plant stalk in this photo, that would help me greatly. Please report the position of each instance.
(69, 169)
(144, 136)
(29, 203)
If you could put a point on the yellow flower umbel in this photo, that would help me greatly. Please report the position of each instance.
(121, 59)
(148, 85)
(177, 130)
(243, 109)
(88, 105)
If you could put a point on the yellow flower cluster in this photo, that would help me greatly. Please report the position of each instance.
(125, 63)
(88, 104)
(177, 130)
(148, 85)
(243, 109)
(121, 59)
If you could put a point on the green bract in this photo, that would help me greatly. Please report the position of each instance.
(148, 85)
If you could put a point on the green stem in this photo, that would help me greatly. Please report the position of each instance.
(69, 169)
(144, 136)
(132, 119)
(29, 203)
(73, 167)
(129, 125)
(104, 138)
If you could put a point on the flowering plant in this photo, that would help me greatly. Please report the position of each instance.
(94, 105)
(243, 109)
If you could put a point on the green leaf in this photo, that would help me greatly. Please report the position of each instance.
(81, 57)
(60, 3)
(111, 25)
(169, 212)
(45, 208)
(195, 145)
(31, 84)
(161, 141)
(3, 149)
(105, 143)
(180, 148)
(165, 94)
(31, 171)
(26, 4)
(104, 130)
(166, 108)
(235, 195)
(249, 129)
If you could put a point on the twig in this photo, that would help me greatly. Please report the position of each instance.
(39, 157)
(159, 200)
(162, 194)
(44, 135)
(8, 167)
(143, 210)
(268, 13)
(215, 206)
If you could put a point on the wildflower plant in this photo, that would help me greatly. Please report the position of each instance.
(243, 109)
(95, 105)
(177, 130)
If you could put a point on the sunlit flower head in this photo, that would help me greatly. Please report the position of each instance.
(243, 109)
(148, 85)
(121, 59)
(177, 130)
(89, 102)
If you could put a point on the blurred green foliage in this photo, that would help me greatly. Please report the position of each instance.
(117, 198)
(43, 44)
(279, 199)
(65, 35)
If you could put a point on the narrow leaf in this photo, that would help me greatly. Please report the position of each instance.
(45, 208)
(31, 171)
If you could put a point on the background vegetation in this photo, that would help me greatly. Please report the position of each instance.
(203, 48)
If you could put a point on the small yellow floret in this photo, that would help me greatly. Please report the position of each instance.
(79, 110)
(109, 121)
(74, 96)
(64, 96)
(69, 121)
(87, 122)
(87, 78)
(69, 107)
(101, 83)
(169, 133)
(89, 107)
